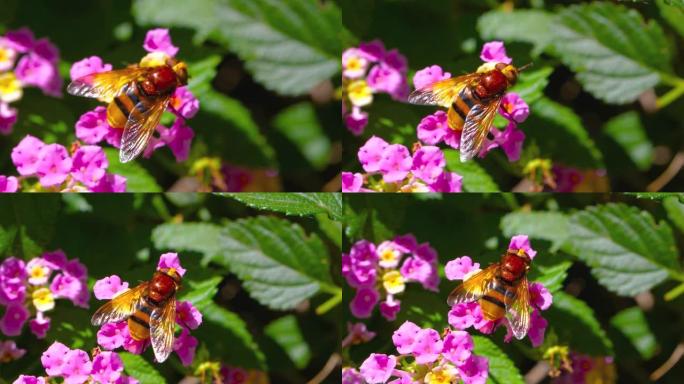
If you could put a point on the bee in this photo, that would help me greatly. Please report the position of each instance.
(150, 309)
(137, 97)
(472, 100)
(501, 290)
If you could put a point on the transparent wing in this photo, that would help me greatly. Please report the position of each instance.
(105, 85)
(476, 128)
(139, 129)
(518, 310)
(162, 328)
(120, 307)
(443, 92)
(475, 287)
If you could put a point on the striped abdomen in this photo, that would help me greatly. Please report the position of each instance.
(460, 108)
(493, 303)
(139, 322)
(130, 101)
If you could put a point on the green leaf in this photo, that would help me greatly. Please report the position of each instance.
(280, 265)
(299, 123)
(656, 195)
(528, 26)
(627, 251)
(571, 317)
(475, 178)
(501, 368)
(675, 211)
(299, 204)
(559, 132)
(138, 368)
(195, 237)
(531, 84)
(289, 46)
(553, 276)
(627, 131)
(27, 223)
(550, 226)
(331, 228)
(286, 332)
(672, 14)
(632, 323)
(615, 53)
(137, 177)
(202, 292)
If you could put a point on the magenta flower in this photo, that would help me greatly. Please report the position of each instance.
(458, 346)
(185, 103)
(363, 303)
(87, 66)
(40, 325)
(8, 117)
(75, 366)
(514, 108)
(396, 163)
(459, 268)
(429, 75)
(428, 164)
(356, 121)
(434, 129)
(107, 288)
(107, 367)
(448, 182)
(54, 358)
(351, 182)
(370, 154)
(9, 351)
(567, 178)
(427, 346)
(390, 308)
(111, 183)
(510, 140)
(54, 165)
(92, 126)
(358, 334)
(537, 328)
(405, 337)
(112, 335)
(14, 319)
(377, 368)
(521, 243)
(465, 315)
(540, 297)
(89, 165)
(159, 40)
(35, 70)
(24, 379)
(26, 154)
(185, 346)
(187, 315)
(495, 52)
(178, 138)
(171, 260)
(384, 78)
(8, 184)
(475, 370)
(352, 376)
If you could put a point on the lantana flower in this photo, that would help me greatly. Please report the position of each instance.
(382, 272)
(466, 315)
(358, 334)
(25, 62)
(29, 290)
(116, 335)
(401, 171)
(434, 128)
(588, 369)
(237, 375)
(84, 169)
(366, 70)
(10, 352)
(92, 126)
(426, 357)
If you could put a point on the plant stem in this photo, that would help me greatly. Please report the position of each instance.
(330, 303)
(670, 96)
(674, 292)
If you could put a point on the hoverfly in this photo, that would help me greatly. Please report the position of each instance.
(150, 309)
(473, 101)
(501, 290)
(137, 97)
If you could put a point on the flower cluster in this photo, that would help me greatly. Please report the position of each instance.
(76, 367)
(115, 335)
(422, 171)
(374, 270)
(84, 169)
(92, 126)
(588, 369)
(434, 128)
(36, 66)
(387, 74)
(464, 315)
(426, 357)
(28, 290)
(237, 375)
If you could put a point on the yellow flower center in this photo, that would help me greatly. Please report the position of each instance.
(4, 55)
(154, 59)
(10, 87)
(43, 299)
(441, 376)
(389, 255)
(355, 63)
(393, 282)
(360, 93)
(38, 272)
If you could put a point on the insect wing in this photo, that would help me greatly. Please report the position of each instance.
(476, 128)
(475, 287)
(518, 310)
(120, 307)
(106, 85)
(162, 328)
(140, 127)
(443, 92)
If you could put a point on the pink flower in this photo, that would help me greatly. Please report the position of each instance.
(495, 52)
(89, 165)
(405, 337)
(12, 281)
(351, 376)
(373, 50)
(465, 315)
(405, 243)
(66, 286)
(448, 182)
(179, 138)
(55, 260)
(77, 367)
(110, 286)
(416, 269)
(363, 303)
(40, 325)
(54, 358)
(92, 126)
(377, 368)
(567, 178)
(171, 260)
(522, 243)
(26, 155)
(54, 165)
(475, 370)
(354, 63)
(428, 164)
(390, 308)
(358, 334)
(187, 315)
(14, 319)
(9, 351)
(107, 367)
(428, 76)
(514, 108)
(35, 70)
(427, 346)
(351, 182)
(396, 60)
(537, 328)
(434, 128)
(185, 346)
(8, 184)
(45, 49)
(159, 40)
(21, 40)
(370, 154)
(511, 140)
(8, 117)
(76, 269)
(396, 163)
(87, 66)
(185, 103)
(384, 78)
(540, 297)
(112, 335)
(457, 346)
(458, 268)
(356, 121)
(23, 379)
(111, 183)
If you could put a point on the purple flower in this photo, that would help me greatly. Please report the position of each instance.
(351, 376)
(35, 70)
(87, 66)
(521, 243)
(20, 40)
(185, 103)
(358, 334)
(537, 328)
(8, 184)
(405, 243)
(40, 325)
(109, 287)
(92, 126)
(514, 108)
(179, 138)
(54, 358)
(373, 50)
(459, 268)
(371, 153)
(354, 63)
(351, 182)
(384, 78)
(434, 128)
(12, 281)
(428, 164)
(187, 315)
(171, 260)
(54, 165)
(395, 164)
(55, 260)
(107, 367)
(45, 49)
(475, 370)
(111, 183)
(427, 346)
(363, 303)
(465, 315)
(89, 165)
(185, 345)
(377, 368)
(495, 52)
(9, 351)
(567, 178)
(390, 308)
(458, 346)
(66, 286)
(428, 76)
(13, 320)
(405, 337)
(356, 121)
(540, 297)
(416, 269)
(112, 335)
(26, 154)
(77, 367)
(23, 379)
(511, 140)
(8, 117)
(448, 182)
(159, 40)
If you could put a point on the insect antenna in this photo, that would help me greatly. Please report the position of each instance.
(524, 67)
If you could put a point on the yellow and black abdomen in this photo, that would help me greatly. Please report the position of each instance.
(139, 322)
(460, 108)
(130, 101)
(493, 303)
